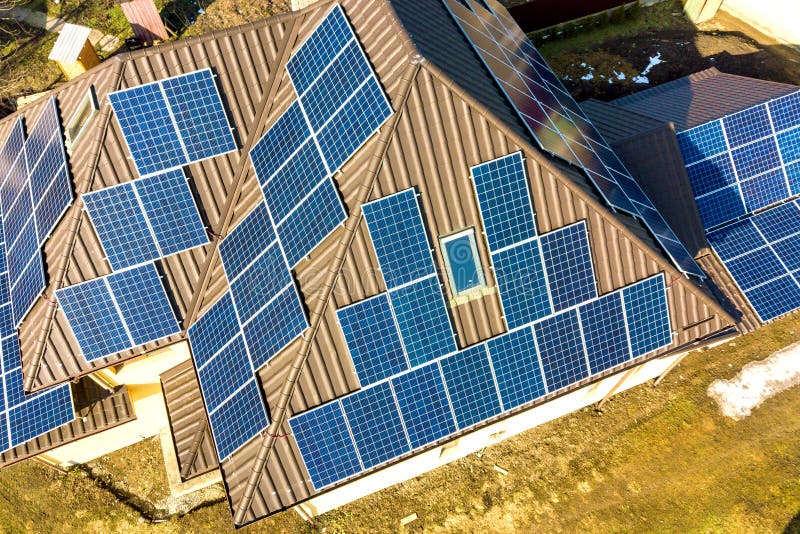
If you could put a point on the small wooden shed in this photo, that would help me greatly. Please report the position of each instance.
(73, 51)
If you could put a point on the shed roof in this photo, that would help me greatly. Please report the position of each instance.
(701, 97)
(449, 116)
(71, 40)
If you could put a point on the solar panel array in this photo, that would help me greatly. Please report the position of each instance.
(35, 192)
(119, 311)
(409, 324)
(173, 122)
(555, 120)
(24, 416)
(744, 162)
(762, 253)
(435, 399)
(340, 104)
(146, 219)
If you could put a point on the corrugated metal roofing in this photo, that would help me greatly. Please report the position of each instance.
(617, 123)
(449, 117)
(69, 43)
(701, 97)
(194, 446)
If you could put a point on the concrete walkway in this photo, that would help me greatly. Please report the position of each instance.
(103, 43)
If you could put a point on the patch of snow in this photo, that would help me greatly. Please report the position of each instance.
(583, 64)
(756, 382)
(619, 75)
(588, 76)
(640, 79)
(655, 60)
(567, 77)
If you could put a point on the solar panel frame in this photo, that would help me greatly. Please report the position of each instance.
(424, 406)
(27, 288)
(561, 348)
(262, 281)
(568, 264)
(517, 367)
(647, 315)
(522, 283)
(225, 373)
(471, 386)
(241, 418)
(605, 332)
(246, 241)
(212, 330)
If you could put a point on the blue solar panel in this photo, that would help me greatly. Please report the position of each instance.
(423, 320)
(354, 124)
(213, 329)
(15, 185)
(647, 315)
(27, 288)
(789, 145)
(290, 185)
(373, 339)
(46, 411)
(171, 212)
(764, 190)
(785, 111)
(747, 126)
(515, 361)
(504, 200)
(423, 405)
(12, 149)
(756, 158)
(312, 221)
(793, 176)
(775, 298)
(568, 262)
(341, 79)
(561, 350)
(6, 320)
(470, 385)
(173, 122)
(604, 332)
(755, 268)
(239, 420)
(20, 253)
(281, 141)
(120, 223)
(17, 217)
(521, 282)
(199, 115)
(702, 142)
(143, 303)
(375, 422)
(319, 49)
(325, 444)
(720, 206)
(711, 174)
(144, 117)
(275, 326)
(46, 128)
(92, 315)
(54, 204)
(49, 160)
(246, 241)
(788, 251)
(399, 239)
(260, 282)
(225, 373)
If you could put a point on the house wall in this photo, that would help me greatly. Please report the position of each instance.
(776, 18)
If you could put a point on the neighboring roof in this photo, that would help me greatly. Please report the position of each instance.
(617, 123)
(97, 409)
(449, 116)
(194, 446)
(70, 42)
(701, 97)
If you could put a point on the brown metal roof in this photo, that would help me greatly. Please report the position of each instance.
(617, 123)
(449, 117)
(194, 446)
(701, 97)
(97, 409)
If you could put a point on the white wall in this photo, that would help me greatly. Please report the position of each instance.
(779, 19)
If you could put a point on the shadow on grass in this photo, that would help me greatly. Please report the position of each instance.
(794, 525)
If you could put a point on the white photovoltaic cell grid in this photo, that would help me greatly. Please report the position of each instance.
(478, 382)
(555, 120)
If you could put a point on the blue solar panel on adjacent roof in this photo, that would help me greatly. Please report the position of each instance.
(755, 268)
(294, 181)
(469, 382)
(288, 133)
(225, 373)
(785, 111)
(399, 238)
(173, 122)
(764, 190)
(246, 241)
(756, 158)
(504, 200)
(702, 142)
(516, 367)
(354, 124)
(603, 324)
(120, 223)
(721, 206)
(747, 126)
(93, 318)
(647, 315)
(423, 405)
(521, 283)
(568, 263)
(325, 444)
(199, 115)
(143, 303)
(260, 282)
(711, 174)
(789, 145)
(240, 419)
(373, 339)
(312, 221)
(423, 320)
(213, 329)
(561, 350)
(275, 326)
(775, 298)
(319, 49)
(374, 420)
(788, 251)
(171, 212)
